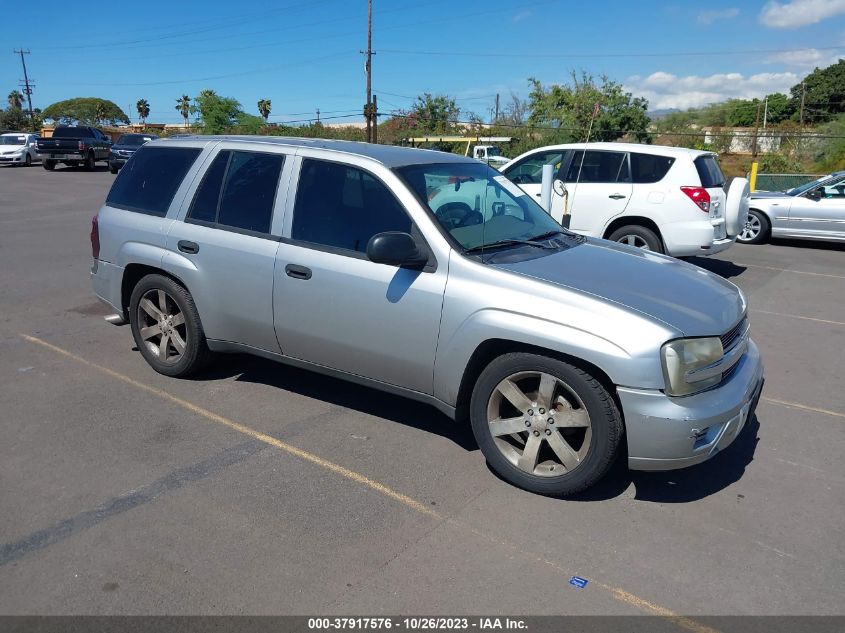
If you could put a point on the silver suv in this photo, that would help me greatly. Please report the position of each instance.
(335, 256)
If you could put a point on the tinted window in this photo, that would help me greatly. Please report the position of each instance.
(649, 168)
(530, 169)
(134, 139)
(71, 132)
(207, 198)
(341, 206)
(249, 191)
(594, 166)
(148, 182)
(709, 172)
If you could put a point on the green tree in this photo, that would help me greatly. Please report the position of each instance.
(183, 105)
(13, 119)
(830, 154)
(15, 99)
(824, 94)
(434, 113)
(217, 113)
(264, 107)
(780, 108)
(570, 108)
(143, 107)
(85, 111)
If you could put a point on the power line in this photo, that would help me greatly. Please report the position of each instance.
(608, 55)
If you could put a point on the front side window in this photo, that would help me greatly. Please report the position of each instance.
(477, 205)
(598, 167)
(238, 191)
(529, 171)
(343, 207)
(148, 182)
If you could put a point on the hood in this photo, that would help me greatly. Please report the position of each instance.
(756, 195)
(685, 297)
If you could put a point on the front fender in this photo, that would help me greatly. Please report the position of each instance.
(455, 352)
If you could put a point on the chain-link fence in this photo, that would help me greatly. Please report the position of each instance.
(780, 182)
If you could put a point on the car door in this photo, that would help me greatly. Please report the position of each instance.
(820, 211)
(598, 184)
(336, 308)
(224, 250)
(528, 171)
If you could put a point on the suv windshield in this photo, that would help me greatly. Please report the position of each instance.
(12, 140)
(133, 139)
(477, 205)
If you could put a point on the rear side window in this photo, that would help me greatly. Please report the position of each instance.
(649, 167)
(343, 207)
(594, 166)
(709, 172)
(148, 182)
(238, 191)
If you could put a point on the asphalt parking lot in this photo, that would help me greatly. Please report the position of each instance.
(261, 489)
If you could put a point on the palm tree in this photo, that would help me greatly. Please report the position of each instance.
(15, 99)
(264, 107)
(143, 108)
(183, 105)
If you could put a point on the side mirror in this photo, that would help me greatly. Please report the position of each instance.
(396, 249)
(559, 187)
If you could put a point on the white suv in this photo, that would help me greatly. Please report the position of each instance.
(666, 199)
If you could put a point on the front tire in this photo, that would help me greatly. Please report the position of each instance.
(544, 425)
(90, 162)
(27, 162)
(113, 168)
(756, 230)
(166, 327)
(638, 237)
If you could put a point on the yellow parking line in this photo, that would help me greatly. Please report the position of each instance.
(796, 316)
(787, 270)
(418, 506)
(804, 407)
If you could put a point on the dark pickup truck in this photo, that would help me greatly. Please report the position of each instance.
(74, 146)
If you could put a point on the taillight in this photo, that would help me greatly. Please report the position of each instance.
(699, 196)
(95, 237)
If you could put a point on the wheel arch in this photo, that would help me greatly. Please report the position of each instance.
(634, 220)
(132, 274)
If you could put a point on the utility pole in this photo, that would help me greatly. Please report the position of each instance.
(375, 118)
(765, 112)
(368, 107)
(756, 130)
(318, 116)
(496, 118)
(803, 93)
(27, 87)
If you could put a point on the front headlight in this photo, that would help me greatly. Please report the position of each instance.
(684, 355)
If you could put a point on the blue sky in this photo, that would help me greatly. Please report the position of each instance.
(303, 55)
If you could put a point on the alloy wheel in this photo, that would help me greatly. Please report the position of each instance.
(634, 240)
(161, 325)
(539, 424)
(752, 228)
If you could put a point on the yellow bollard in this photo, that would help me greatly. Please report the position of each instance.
(752, 182)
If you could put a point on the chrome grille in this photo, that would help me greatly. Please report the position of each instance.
(730, 337)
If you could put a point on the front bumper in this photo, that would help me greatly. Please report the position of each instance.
(117, 161)
(13, 158)
(666, 433)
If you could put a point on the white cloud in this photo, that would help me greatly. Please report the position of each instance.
(806, 59)
(665, 90)
(519, 17)
(708, 17)
(797, 13)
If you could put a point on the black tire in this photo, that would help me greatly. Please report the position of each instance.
(196, 354)
(90, 162)
(605, 422)
(49, 165)
(764, 232)
(638, 234)
(113, 168)
(27, 161)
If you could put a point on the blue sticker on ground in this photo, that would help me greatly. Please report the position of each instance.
(579, 582)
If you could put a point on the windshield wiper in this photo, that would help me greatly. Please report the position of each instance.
(507, 242)
(547, 235)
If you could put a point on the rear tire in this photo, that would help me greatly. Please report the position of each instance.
(90, 162)
(49, 165)
(166, 327)
(114, 168)
(638, 237)
(569, 426)
(757, 228)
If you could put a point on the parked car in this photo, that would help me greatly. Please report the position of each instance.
(125, 146)
(18, 148)
(331, 256)
(74, 146)
(664, 199)
(812, 211)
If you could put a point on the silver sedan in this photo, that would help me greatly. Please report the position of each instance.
(812, 211)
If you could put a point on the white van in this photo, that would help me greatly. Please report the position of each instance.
(666, 199)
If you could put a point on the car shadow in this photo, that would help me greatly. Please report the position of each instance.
(679, 486)
(246, 368)
(62, 169)
(818, 245)
(720, 267)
